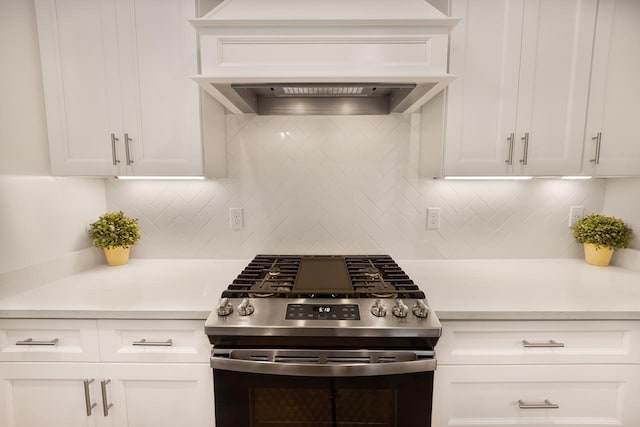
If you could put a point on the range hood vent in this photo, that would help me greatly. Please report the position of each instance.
(326, 98)
(329, 57)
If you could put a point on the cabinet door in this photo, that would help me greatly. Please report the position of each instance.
(498, 396)
(615, 91)
(48, 394)
(557, 42)
(79, 56)
(482, 101)
(161, 103)
(523, 72)
(159, 395)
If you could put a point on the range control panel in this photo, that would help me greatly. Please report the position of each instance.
(322, 312)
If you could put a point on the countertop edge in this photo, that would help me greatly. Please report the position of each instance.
(537, 315)
(105, 314)
(202, 315)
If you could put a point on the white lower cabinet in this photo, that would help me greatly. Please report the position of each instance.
(158, 395)
(136, 395)
(130, 373)
(48, 394)
(538, 373)
(537, 395)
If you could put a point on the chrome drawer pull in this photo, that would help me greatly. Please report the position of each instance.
(525, 150)
(543, 405)
(550, 343)
(143, 342)
(30, 341)
(87, 397)
(127, 151)
(509, 160)
(114, 154)
(598, 140)
(105, 401)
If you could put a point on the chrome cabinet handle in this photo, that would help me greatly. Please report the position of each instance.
(598, 141)
(144, 343)
(30, 341)
(127, 151)
(542, 405)
(87, 397)
(525, 154)
(550, 343)
(511, 138)
(105, 401)
(114, 154)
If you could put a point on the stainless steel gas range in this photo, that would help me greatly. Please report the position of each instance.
(313, 341)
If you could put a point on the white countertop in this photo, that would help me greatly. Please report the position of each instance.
(456, 289)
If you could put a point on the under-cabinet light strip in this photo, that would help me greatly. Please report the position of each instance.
(488, 178)
(161, 177)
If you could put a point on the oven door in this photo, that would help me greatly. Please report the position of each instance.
(317, 388)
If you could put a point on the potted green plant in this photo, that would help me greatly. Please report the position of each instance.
(115, 232)
(601, 235)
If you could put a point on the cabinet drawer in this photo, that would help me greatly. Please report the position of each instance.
(484, 342)
(27, 340)
(593, 395)
(153, 341)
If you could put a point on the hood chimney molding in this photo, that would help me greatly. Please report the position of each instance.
(317, 42)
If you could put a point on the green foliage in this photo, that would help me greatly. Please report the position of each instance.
(114, 229)
(602, 230)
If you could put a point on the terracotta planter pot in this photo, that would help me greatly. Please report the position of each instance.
(595, 255)
(117, 255)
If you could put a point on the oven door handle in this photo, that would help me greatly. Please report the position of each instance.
(322, 367)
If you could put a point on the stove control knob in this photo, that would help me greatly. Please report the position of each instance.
(420, 309)
(224, 307)
(378, 309)
(400, 309)
(245, 308)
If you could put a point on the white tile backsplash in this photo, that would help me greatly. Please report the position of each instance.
(346, 184)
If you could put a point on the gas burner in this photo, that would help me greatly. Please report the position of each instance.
(260, 295)
(371, 272)
(273, 272)
(376, 295)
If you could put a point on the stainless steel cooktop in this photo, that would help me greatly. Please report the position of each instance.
(322, 299)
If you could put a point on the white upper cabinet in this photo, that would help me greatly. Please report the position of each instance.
(612, 147)
(519, 103)
(118, 94)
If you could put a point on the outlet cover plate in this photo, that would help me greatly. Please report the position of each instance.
(235, 218)
(576, 213)
(433, 218)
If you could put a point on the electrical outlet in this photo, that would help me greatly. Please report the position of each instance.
(433, 218)
(576, 213)
(235, 217)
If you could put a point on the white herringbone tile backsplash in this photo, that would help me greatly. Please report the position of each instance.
(335, 184)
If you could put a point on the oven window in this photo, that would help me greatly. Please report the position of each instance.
(255, 400)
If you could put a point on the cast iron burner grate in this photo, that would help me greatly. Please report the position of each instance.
(362, 276)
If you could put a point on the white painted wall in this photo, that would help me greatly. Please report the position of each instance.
(23, 131)
(622, 200)
(41, 217)
(338, 184)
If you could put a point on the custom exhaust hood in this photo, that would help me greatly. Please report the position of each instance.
(323, 57)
